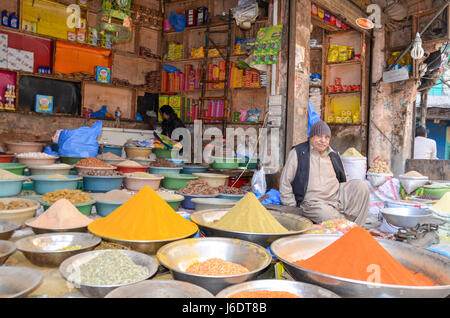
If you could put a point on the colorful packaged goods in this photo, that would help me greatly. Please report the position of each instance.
(333, 53)
(103, 74)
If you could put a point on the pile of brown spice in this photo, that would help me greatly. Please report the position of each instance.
(230, 190)
(216, 267)
(199, 187)
(160, 162)
(92, 162)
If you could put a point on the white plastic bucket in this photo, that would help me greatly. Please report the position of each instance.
(355, 167)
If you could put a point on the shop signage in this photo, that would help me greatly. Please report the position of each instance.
(364, 23)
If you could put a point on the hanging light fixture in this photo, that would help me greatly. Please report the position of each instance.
(114, 20)
(417, 51)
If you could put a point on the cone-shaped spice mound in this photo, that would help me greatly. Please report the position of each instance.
(357, 255)
(144, 217)
(249, 215)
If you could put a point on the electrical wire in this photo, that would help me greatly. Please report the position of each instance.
(254, 150)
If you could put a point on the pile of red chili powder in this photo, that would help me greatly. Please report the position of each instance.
(357, 255)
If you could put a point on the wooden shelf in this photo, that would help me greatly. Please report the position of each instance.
(316, 48)
(344, 124)
(323, 24)
(200, 60)
(134, 55)
(351, 62)
(199, 90)
(315, 85)
(342, 93)
(47, 37)
(213, 25)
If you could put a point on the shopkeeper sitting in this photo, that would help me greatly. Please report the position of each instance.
(314, 179)
(170, 121)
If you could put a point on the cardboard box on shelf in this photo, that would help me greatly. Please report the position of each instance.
(3, 50)
(27, 61)
(14, 59)
(44, 104)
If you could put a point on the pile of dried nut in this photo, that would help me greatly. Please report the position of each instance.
(379, 166)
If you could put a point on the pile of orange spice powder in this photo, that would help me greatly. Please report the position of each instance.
(264, 294)
(357, 255)
(216, 267)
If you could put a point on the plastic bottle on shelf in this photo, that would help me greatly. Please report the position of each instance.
(5, 21)
(13, 21)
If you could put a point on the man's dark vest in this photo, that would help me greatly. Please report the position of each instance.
(300, 183)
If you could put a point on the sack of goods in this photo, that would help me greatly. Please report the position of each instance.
(354, 163)
(412, 180)
(379, 172)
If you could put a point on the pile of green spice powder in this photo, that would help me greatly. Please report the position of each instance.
(109, 268)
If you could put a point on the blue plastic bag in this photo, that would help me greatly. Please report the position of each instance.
(178, 21)
(80, 142)
(313, 117)
(48, 150)
(274, 197)
(100, 113)
(170, 69)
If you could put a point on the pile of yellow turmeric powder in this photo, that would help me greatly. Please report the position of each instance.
(144, 217)
(249, 215)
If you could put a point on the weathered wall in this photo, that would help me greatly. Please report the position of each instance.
(28, 127)
(298, 89)
(391, 123)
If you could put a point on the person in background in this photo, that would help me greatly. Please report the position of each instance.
(314, 180)
(170, 121)
(424, 148)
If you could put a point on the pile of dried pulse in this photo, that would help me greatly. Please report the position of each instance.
(249, 215)
(144, 217)
(216, 267)
(109, 268)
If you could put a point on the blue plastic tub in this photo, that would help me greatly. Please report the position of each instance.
(117, 150)
(188, 204)
(194, 169)
(10, 188)
(178, 162)
(42, 184)
(164, 170)
(104, 208)
(235, 197)
(102, 183)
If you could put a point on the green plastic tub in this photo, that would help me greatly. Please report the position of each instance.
(70, 160)
(165, 153)
(435, 191)
(177, 181)
(225, 163)
(252, 165)
(84, 208)
(17, 168)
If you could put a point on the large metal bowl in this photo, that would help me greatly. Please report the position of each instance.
(433, 265)
(72, 263)
(406, 217)
(17, 281)
(7, 228)
(7, 248)
(302, 290)
(160, 288)
(294, 223)
(42, 249)
(147, 247)
(178, 256)
(42, 230)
